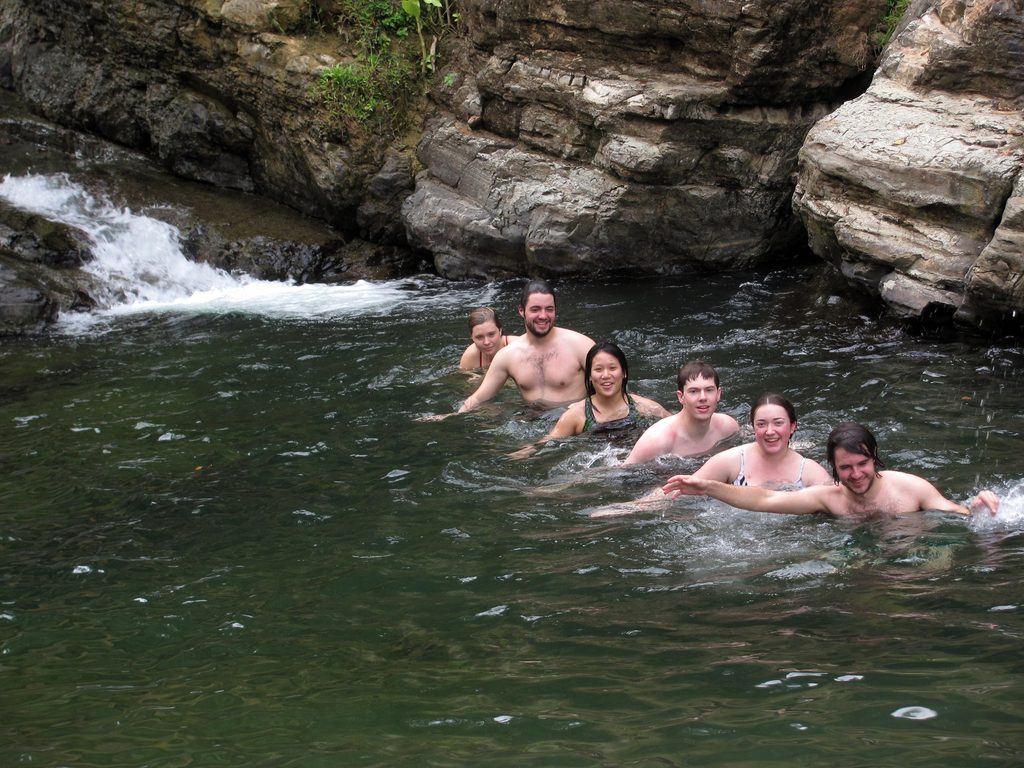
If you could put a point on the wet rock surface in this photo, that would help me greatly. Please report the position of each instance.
(913, 190)
(577, 138)
(40, 259)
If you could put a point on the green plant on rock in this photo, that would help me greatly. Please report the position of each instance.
(371, 92)
(375, 89)
(437, 18)
(889, 22)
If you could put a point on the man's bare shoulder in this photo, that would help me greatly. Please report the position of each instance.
(507, 353)
(907, 486)
(666, 428)
(568, 335)
(725, 424)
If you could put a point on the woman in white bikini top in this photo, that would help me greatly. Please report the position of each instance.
(768, 461)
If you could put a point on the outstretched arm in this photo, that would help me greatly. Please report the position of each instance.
(494, 380)
(569, 423)
(803, 502)
(985, 500)
(653, 443)
(933, 499)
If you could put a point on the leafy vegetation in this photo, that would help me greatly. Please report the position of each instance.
(375, 89)
(889, 22)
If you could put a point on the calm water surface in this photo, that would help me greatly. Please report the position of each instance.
(227, 542)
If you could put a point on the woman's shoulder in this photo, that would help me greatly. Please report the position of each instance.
(572, 420)
(470, 359)
(649, 407)
(577, 407)
(814, 473)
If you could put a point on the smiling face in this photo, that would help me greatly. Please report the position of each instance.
(855, 471)
(539, 314)
(773, 428)
(606, 375)
(487, 337)
(700, 397)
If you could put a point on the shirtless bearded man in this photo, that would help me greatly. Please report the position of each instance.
(862, 488)
(546, 362)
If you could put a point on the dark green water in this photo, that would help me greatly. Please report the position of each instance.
(226, 542)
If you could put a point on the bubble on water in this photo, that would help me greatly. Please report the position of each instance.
(82, 569)
(503, 719)
(915, 713)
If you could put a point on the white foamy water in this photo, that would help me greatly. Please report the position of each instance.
(140, 263)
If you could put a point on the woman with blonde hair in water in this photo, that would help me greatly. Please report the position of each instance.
(768, 461)
(487, 338)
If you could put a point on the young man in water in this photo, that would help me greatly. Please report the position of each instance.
(546, 362)
(696, 429)
(863, 488)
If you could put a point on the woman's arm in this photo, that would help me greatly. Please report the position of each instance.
(803, 502)
(569, 423)
(723, 467)
(652, 409)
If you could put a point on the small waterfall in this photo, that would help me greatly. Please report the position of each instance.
(138, 258)
(140, 261)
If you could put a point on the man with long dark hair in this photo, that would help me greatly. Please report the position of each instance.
(862, 487)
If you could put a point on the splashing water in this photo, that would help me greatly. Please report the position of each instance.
(140, 263)
(135, 257)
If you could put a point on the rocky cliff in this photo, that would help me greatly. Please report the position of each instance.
(570, 137)
(913, 190)
(215, 90)
(644, 136)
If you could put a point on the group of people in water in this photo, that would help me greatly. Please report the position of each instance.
(552, 366)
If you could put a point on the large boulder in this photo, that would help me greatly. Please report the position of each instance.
(913, 189)
(647, 136)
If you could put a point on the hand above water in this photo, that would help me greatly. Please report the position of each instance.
(985, 499)
(684, 484)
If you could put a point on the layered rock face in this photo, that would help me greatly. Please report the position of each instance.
(216, 90)
(571, 137)
(914, 189)
(645, 136)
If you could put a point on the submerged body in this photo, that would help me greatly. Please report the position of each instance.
(486, 338)
(862, 489)
(769, 461)
(546, 362)
(696, 428)
(608, 408)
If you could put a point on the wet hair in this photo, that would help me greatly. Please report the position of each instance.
(696, 369)
(483, 315)
(855, 438)
(535, 285)
(773, 398)
(614, 351)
